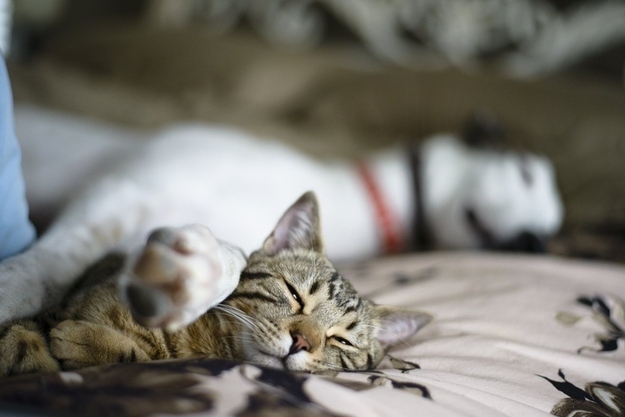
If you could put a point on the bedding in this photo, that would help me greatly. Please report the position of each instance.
(511, 335)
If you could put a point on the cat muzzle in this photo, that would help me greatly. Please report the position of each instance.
(525, 241)
(299, 343)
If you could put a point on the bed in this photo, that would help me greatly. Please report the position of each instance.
(511, 335)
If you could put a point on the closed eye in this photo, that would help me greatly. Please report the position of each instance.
(477, 227)
(526, 174)
(295, 295)
(342, 341)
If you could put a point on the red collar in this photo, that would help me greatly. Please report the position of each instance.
(387, 221)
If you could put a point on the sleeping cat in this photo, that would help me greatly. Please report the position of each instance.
(291, 309)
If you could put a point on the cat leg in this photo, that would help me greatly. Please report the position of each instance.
(179, 275)
(102, 217)
(78, 344)
(23, 349)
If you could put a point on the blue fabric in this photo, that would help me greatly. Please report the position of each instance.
(16, 231)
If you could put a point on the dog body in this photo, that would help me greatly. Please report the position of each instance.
(238, 185)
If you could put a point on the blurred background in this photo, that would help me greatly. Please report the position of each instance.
(343, 77)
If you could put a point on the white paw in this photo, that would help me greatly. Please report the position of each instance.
(177, 277)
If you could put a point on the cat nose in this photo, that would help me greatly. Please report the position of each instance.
(299, 343)
(526, 242)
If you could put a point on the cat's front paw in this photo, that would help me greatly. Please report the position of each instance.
(78, 344)
(181, 273)
(73, 344)
(23, 349)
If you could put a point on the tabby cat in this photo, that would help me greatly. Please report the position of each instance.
(291, 309)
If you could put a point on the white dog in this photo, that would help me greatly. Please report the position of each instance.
(238, 185)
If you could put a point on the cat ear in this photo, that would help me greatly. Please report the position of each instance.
(398, 324)
(483, 131)
(299, 228)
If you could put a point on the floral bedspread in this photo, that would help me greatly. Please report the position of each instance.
(511, 335)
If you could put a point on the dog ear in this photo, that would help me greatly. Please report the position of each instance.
(299, 227)
(483, 130)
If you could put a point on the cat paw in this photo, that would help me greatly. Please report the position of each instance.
(72, 342)
(177, 277)
(78, 344)
(23, 350)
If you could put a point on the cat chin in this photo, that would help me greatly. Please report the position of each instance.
(295, 362)
(267, 360)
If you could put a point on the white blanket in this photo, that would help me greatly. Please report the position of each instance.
(503, 327)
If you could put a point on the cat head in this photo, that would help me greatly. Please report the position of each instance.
(305, 315)
(481, 193)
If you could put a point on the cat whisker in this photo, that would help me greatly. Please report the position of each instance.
(237, 314)
(262, 331)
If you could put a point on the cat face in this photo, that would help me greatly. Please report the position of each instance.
(489, 199)
(304, 315)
